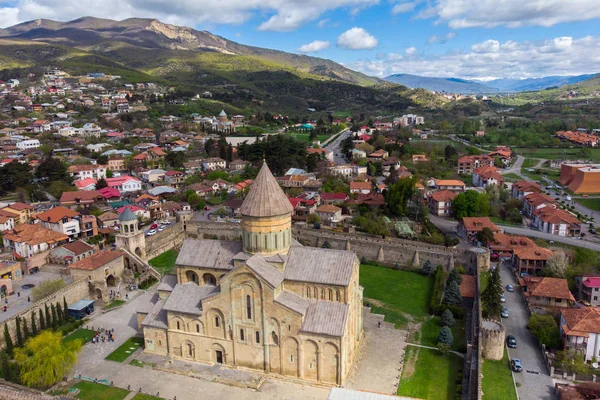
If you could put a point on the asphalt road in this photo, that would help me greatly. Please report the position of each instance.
(335, 147)
(535, 381)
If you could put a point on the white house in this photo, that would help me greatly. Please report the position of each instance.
(28, 144)
(153, 175)
(125, 183)
(7, 222)
(62, 220)
(68, 132)
(214, 163)
(344, 171)
(580, 329)
(79, 172)
(90, 130)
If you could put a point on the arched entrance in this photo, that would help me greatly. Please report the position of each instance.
(218, 354)
(209, 279)
(191, 276)
(138, 252)
(98, 293)
(111, 281)
(3, 290)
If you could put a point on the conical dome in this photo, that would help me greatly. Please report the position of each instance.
(127, 215)
(265, 197)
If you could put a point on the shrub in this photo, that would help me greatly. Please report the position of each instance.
(447, 319)
(427, 268)
(46, 288)
(445, 336)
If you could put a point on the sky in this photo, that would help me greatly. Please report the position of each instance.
(471, 39)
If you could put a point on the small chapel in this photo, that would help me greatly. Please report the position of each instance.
(264, 302)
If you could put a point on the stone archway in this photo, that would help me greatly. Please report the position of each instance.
(191, 276)
(98, 293)
(209, 279)
(138, 252)
(111, 281)
(218, 355)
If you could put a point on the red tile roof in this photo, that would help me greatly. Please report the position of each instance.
(443, 196)
(97, 260)
(581, 321)
(542, 286)
(476, 224)
(56, 214)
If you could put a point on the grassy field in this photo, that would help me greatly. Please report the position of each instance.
(96, 391)
(165, 263)
(398, 295)
(552, 174)
(497, 383)
(557, 153)
(512, 176)
(430, 330)
(84, 334)
(428, 374)
(305, 137)
(530, 162)
(126, 349)
(592, 204)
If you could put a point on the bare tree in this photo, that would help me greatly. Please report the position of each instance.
(557, 265)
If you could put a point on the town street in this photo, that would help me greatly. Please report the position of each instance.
(535, 381)
(334, 147)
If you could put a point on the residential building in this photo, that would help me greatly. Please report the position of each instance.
(521, 189)
(93, 171)
(453, 185)
(580, 331)
(238, 165)
(345, 171)
(440, 203)
(153, 175)
(83, 199)
(556, 222)
(28, 144)
(125, 183)
(329, 214)
(546, 295)
(27, 240)
(86, 184)
(536, 201)
(322, 152)
(469, 227)
(231, 298)
(7, 222)
(213, 163)
(588, 289)
(70, 253)
(361, 187)
(334, 198)
(22, 212)
(108, 220)
(521, 252)
(116, 164)
(379, 154)
(468, 164)
(419, 158)
(485, 176)
(174, 178)
(61, 219)
(293, 180)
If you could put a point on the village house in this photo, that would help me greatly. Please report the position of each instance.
(467, 164)
(334, 198)
(580, 331)
(536, 201)
(83, 199)
(556, 222)
(344, 171)
(521, 189)
(153, 175)
(214, 163)
(322, 152)
(238, 165)
(419, 158)
(546, 295)
(125, 183)
(108, 220)
(28, 144)
(588, 290)
(174, 178)
(116, 164)
(361, 187)
(21, 211)
(440, 203)
(86, 184)
(7, 220)
(70, 253)
(485, 176)
(27, 240)
(453, 185)
(329, 214)
(61, 219)
(93, 171)
(469, 227)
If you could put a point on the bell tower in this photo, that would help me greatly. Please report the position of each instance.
(130, 237)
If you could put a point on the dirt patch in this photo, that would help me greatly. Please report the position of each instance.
(381, 304)
(410, 361)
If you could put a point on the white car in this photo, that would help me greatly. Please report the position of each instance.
(161, 228)
(502, 298)
(165, 222)
(151, 232)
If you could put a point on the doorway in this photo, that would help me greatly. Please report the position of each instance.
(219, 355)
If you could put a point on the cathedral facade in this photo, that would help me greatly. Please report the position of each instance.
(265, 302)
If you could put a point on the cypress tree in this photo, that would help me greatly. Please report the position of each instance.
(33, 327)
(19, 335)
(8, 340)
(48, 317)
(65, 309)
(54, 317)
(59, 315)
(25, 330)
(490, 297)
(42, 322)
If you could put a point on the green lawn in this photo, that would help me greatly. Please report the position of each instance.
(558, 153)
(552, 174)
(84, 334)
(428, 374)
(497, 382)
(512, 176)
(96, 391)
(165, 263)
(305, 137)
(592, 204)
(114, 304)
(126, 349)
(430, 330)
(530, 162)
(500, 221)
(399, 292)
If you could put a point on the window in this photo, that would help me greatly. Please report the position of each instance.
(337, 295)
(308, 292)
(274, 338)
(330, 294)
(316, 292)
(257, 337)
(292, 358)
(217, 321)
(197, 328)
(595, 297)
(178, 326)
(159, 342)
(595, 289)
(310, 366)
(275, 241)
(322, 294)
(265, 242)
(248, 307)
(242, 334)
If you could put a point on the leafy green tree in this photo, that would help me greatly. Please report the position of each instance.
(33, 326)
(572, 361)
(57, 188)
(398, 195)
(452, 294)
(175, 159)
(445, 336)
(326, 244)
(545, 329)
(14, 175)
(8, 341)
(45, 359)
(52, 169)
(490, 298)
(471, 204)
(101, 184)
(20, 340)
(447, 319)
(427, 268)
(485, 236)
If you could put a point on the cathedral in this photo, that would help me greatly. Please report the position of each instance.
(265, 302)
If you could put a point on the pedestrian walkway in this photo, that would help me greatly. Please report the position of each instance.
(461, 355)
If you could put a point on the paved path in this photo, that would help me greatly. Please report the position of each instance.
(335, 147)
(535, 381)
(516, 169)
(461, 355)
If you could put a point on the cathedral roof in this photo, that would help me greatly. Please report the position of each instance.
(187, 298)
(325, 318)
(315, 265)
(269, 273)
(222, 113)
(218, 254)
(265, 197)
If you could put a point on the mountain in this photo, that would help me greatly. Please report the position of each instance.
(522, 85)
(451, 85)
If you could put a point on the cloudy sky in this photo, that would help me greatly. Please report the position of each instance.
(482, 39)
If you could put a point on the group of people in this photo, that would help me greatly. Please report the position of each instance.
(104, 335)
(5, 307)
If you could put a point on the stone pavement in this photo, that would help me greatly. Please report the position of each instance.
(380, 356)
(17, 303)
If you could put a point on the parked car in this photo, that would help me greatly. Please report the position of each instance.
(504, 313)
(161, 228)
(154, 226)
(151, 232)
(502, 298)
(236, 221)
(515, 365)
(510, 288)
(511, 341)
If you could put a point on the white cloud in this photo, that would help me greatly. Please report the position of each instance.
(283, 15)
(357, 39)
(411, 51)
(404, 7)
(322, 23)
(492, 59)
(511, 13)
(314, 46)
(441, 39)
